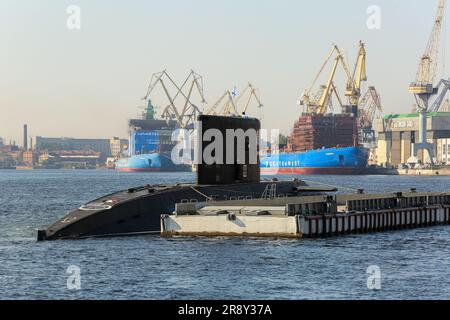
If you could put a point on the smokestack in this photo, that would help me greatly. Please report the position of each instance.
(25, 137)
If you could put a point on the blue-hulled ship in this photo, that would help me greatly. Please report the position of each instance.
(320, 144)
(152, 162)
(150, 145)
(350, 160)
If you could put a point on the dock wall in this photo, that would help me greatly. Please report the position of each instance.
(372, 221)
(425, 172)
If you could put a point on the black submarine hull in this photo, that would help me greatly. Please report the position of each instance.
(138, 210)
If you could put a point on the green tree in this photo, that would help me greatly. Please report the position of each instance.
(283, 140)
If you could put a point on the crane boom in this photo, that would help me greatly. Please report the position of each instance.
(333, 49)
(353, 90)
(336, 93)
(427, 71)
(326, 93)
(212, 110)
(343, 63)
(232, 105)
(172, 106)
(253, 93)
(184, 115)
(370, 105)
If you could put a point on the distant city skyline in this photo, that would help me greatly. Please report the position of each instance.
(87, 83)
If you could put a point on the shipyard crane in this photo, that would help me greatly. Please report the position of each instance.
(325, 98)
(253, 94)
(423, 86)
(229, 104)
(369, 108)
(186, 114)
(353, 89)
(320, 103)
(311, 104)
(329, 103)
(228, 99)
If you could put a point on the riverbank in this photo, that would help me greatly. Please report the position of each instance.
(425, 172)
(440, 171)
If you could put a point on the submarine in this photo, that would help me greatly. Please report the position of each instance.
(137, 211)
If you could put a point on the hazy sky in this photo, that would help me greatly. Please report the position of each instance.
(88, 82)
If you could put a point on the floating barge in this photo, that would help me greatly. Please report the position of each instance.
(309, 217)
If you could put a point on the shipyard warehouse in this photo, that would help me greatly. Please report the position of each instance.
(398, 133)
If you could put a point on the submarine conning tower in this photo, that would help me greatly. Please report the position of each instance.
(228, 150)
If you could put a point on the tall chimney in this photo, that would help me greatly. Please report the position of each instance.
(25, 137)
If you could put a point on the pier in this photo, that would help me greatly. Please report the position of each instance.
(309, 217)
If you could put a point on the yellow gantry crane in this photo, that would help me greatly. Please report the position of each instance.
(320, 102)
(423, 86)
(353, 89)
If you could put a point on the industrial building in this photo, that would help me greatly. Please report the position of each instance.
(29, 158)
(116, 147)
(107, 147)
(398, 132)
